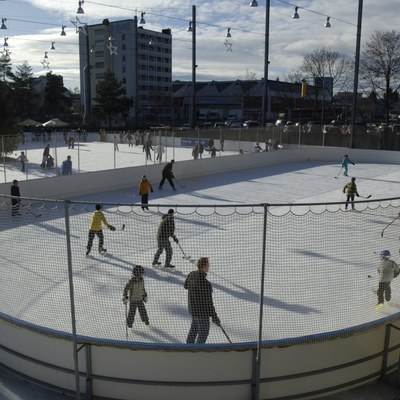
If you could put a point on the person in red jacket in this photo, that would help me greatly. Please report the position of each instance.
(144, 189)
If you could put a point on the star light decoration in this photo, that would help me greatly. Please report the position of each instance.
(45, 64)
(5, 55)
(228, 45)
(79, 26)
(111, 47)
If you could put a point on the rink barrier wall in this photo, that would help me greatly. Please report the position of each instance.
(62, 187)
(120, 369)
(333, 362)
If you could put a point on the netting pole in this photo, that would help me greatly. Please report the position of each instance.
(71, 297)
(4, 160)
(256, 394)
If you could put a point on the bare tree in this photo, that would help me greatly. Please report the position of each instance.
(380, 66)
(250, 76)
(328, 63)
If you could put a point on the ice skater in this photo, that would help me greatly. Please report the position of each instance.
(15, 199)
(66, 166)
(96, 225)
(135, 294)
(345, 164)
(144, 189)
(351, 190)
(168, 175)
(23, 160)
(165, 230)
(387, 270)
(200, 303)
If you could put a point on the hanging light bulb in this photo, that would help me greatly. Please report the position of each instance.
(228, 33)
(52, 46)
(3, 23)
(80, 9)
(142, 20)
(327, 23)
(296, 14)
(45, 54)
(5, 42)
(63, 31)
(253, 3)
(190, 29)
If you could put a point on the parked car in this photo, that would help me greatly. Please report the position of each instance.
(235, 124)
(250, 124)
(219, 125)
(280, 122)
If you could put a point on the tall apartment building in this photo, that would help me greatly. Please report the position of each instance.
(140, 59)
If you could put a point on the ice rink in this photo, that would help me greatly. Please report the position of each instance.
(317, 263)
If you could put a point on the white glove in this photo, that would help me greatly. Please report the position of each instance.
(125, 300)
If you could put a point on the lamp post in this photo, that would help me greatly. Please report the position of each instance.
(193, 108)
(264, 106)
(86, 84)
(356, 71)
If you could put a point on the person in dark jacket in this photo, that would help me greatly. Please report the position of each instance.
(351, 190)
(135, 294)
(15, 200)
(200, 303)
(168, 175)
(166, 230)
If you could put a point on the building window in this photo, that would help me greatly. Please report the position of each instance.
(99, 54)
(98, 32)
(99, 65)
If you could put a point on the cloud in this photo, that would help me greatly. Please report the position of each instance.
(289, 40)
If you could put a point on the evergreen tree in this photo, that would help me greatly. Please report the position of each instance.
(111, 99)
(56, 100)
(26, 99)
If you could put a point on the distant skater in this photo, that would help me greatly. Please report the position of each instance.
(168, 175)
(144, 189)
(351, 190)
(66, 166)
(23, 160)
(345, 164)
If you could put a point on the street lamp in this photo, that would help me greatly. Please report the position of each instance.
(356, 71)
(266, 61)
(192, 28)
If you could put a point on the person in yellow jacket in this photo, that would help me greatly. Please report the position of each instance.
(96, 225)
(144, 189)
(350, 189)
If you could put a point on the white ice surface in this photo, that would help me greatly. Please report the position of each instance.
(316, 279)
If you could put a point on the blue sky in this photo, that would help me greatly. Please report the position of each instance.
(32, 26)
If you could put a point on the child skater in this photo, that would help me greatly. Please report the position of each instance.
(135, 294)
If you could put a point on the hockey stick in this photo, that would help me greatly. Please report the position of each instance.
(182, 186)
(184, 255)
(365, 197)
(337, 176)
(226, 335)
(126, 320)
(387, 226)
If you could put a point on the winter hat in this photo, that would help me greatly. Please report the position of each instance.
(172, 161)
(98, 207)
(171, 211)
(144, 177)
(385, 254)
(137, 270)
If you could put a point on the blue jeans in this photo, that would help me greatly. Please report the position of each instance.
(199, 328)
